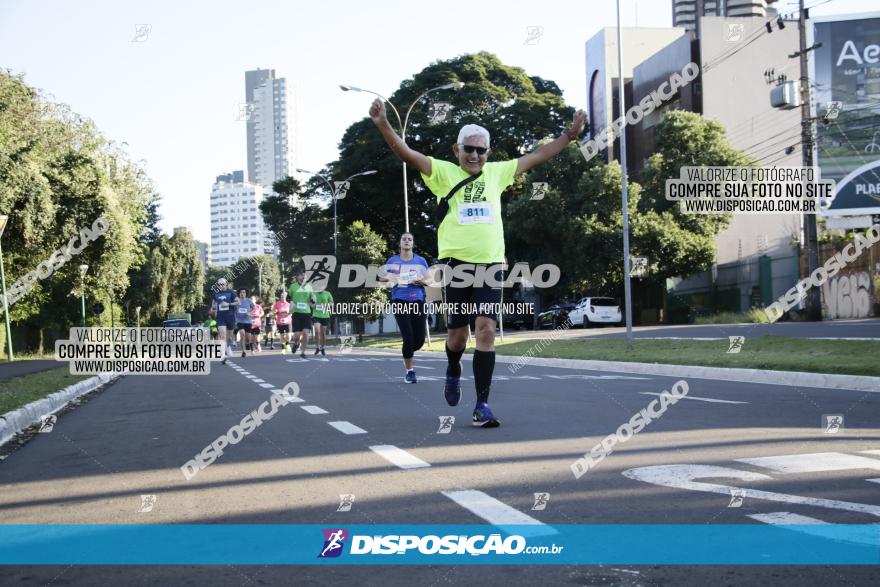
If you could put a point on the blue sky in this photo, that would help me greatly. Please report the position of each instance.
(173, 97)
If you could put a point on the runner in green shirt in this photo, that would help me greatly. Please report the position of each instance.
(211, 325)
(471, 234)
(321, 318)
(302, 300)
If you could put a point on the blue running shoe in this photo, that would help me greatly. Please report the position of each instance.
(484, 418)
(452, 392)
(410, 377)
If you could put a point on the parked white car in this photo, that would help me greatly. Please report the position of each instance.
(591, 311)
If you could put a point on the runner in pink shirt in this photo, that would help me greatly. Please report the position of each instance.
(283, 320)
(256, 321)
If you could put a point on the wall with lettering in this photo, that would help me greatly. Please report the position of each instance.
(847, 296)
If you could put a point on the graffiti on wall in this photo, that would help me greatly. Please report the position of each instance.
(847, 296)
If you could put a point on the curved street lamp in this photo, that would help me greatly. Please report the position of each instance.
(333, 193)
(402, 124)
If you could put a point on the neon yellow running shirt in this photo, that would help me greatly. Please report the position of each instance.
(472, 230)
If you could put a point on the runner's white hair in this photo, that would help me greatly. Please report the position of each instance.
(473, 130)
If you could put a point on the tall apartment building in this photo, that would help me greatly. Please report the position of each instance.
(273, 127)
(684, 12)
(237, 228)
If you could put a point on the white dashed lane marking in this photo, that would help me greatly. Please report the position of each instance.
(398, 456)
(347, 427)
(498, 513)
(314, 410)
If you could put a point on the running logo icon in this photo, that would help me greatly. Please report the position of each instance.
(735, 32)
(438, 111)
(245, 111)
(736, 498)
(446, 423)
(832, 423)
(346, 343)
(141, 32)
(319, 268)
(147, 503)
(736, 344)
(340, 189)
(346, 500)
(541, 501)
(334, 541)
(534, 35)
(47, 423)
(539, 190)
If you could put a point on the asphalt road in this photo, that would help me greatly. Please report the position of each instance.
(131, 440)
(866, 328)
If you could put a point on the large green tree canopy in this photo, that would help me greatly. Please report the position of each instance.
(57, 176)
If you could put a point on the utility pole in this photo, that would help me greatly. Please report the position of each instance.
(813, 301)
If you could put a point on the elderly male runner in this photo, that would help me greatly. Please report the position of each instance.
(471, 233)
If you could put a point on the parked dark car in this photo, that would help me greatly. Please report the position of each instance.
(556, 315)
(176, 323)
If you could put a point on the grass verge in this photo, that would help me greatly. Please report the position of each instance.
(842, 357)
(18, 391)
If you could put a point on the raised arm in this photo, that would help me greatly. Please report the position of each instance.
(398, 146)
(549, 150)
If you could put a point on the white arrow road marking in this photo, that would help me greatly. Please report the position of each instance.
(398, 456)
(682, 477)
(813, 463)
(497, 513)
(862, 536)
(873, 480)
(699, 399)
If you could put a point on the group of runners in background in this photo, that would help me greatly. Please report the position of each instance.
(293, 314)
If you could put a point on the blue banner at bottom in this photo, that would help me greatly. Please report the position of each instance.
(225, 544)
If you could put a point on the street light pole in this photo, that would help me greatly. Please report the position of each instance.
(82, 284)
(402, 124)
(3, 220)
(621, 101)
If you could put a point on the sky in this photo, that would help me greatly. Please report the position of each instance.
(172, 97)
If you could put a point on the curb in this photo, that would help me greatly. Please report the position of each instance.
(11, 423)
(789, 378)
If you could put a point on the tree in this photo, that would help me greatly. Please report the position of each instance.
(300, 226)
(176, 278)
(579, 224)
(518, 111)
(359, 244)
(256, 270)
(57, 176)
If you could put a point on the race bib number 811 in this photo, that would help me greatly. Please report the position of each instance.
(475, 213)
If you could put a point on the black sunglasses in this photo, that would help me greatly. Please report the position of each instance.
(471, 149)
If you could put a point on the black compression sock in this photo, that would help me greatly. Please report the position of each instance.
(484, 365)
(454, 358)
